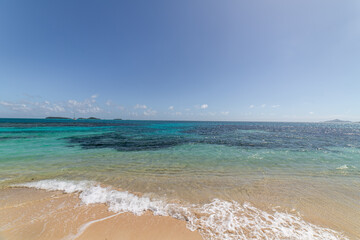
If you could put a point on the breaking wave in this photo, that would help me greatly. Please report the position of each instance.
(216, 220)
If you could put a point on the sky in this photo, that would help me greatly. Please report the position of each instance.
(232, 60)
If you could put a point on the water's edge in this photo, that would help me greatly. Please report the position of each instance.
(218, 219)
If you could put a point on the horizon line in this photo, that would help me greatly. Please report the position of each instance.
(172, 120)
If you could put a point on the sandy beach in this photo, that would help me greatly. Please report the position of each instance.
(37, 214)
(195, 180)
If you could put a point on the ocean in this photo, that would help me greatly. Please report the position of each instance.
(227, 180)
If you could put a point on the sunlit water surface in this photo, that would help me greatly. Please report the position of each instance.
(311, 170)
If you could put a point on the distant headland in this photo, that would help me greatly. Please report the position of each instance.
(57, 118)
(89, 118)
(337, 121)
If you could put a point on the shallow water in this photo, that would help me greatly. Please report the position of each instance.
(308, 171)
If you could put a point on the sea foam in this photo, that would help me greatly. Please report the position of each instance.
(342, 167)
(219, 219)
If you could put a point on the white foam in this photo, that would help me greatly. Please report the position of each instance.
(231, 220)
(4, 179)
(59, 185)
(216, 220)
(86, 225)
(90, 192)
(342, 167)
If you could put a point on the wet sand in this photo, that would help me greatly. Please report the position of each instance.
(37, 214)
(28, 213)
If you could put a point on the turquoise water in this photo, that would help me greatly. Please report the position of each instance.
(301, 166)
(32, 148)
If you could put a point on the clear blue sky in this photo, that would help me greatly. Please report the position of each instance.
(276, 60)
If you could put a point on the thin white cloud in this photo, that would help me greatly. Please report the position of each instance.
(84, 107)
(50, 107)
(114, 106)
(93, 98)
(251, 106)
(204, 106)
(275, 106)
(46, 107)
(134, 114)
(139, 106)
(311, 113)
(225, 113)
(73, 103)
(171, 108)
(263, 105)
(35, 107)
(90, 110)
(150, 112)
(6, 104)
(16, 106)
(178, 113)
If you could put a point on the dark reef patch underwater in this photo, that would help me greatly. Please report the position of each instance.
(293, 136)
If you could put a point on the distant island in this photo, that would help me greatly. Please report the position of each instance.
(118, 119)
(57, 118)
(90, 118)
(337, 121)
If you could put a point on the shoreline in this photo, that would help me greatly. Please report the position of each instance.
(32, 212)
(27, 213)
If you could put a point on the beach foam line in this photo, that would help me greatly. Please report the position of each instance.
(86, 225)
(219, 219)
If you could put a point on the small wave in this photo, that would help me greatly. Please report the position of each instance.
(345, 167)
(90, 192)
(342, 167)
(4, 179)
(216, 220)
